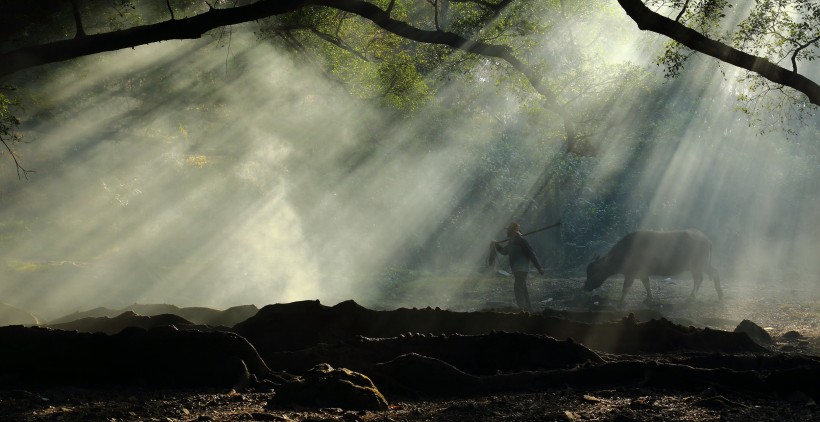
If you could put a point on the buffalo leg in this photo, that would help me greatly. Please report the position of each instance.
(645, 281)
(715, 277)
(697, 277)
(628, 280)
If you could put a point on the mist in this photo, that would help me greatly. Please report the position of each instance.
(751, 188)
(270, 184)
(200, 175)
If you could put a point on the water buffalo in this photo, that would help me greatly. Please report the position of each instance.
(646, 252)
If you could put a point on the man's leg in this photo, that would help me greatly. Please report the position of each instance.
(522, 296)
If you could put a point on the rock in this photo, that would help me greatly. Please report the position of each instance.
(325, 386)
(791, 336)
(571, 416)
(591, 399)
(755, 332)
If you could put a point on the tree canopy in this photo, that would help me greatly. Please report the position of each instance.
(410, 39)
(773, 31)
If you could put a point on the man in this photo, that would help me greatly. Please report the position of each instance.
(521, 254)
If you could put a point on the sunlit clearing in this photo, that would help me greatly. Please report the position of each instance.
(190, 174)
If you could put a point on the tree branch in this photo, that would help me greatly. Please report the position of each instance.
(20, 170)
(382, 19)
(196, 26)
(188, 28)
(682, 11)
(493, 6)
(435, 13)
(335, 40)
(648, 20)
(78, 21)
(170, 10)
(798, 50)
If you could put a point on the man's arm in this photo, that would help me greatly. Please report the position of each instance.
(531, 255)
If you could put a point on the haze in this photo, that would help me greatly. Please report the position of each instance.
(242, 175)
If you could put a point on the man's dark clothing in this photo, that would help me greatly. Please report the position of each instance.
(521, 254)
(522, 296)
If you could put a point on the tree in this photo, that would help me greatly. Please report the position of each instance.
(51, 31)
(8, 122)
(83, 44)
(773, 32)
(425, 23)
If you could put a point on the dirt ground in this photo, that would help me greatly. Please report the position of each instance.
(621, 405)
(779, 311)
(775, 306)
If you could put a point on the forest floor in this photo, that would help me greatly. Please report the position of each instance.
(620, 405)
(776, 308)
(779, 311)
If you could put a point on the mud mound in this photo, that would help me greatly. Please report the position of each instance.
(476, 354)
(336, 351)
(200, 315)
(427, 377)
(300, 325)
(135, 357)
(325, 386)
(98, 312)
(196, 315)
(745, 362)
(225, 318)
(664, 336)
(152, 308)
(120, 322)
(597, 317)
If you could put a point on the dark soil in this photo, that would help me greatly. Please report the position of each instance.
(467, 363)
(633, 404)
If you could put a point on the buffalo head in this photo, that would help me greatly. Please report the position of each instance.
(597, 273)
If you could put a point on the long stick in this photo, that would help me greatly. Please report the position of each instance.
(491, 258)
(534, 231)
